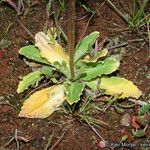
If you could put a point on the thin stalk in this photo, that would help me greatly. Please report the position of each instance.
(148, 30)
(49, 141)
(48, 11)
(86, 26)
(124, 16)
(71, 35)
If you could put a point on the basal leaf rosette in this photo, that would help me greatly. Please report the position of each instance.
(43, 103)
(91, 71)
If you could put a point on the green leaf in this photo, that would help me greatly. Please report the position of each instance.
(79, 68)
(119, 109)
(108, 66)
(46, 70)
(144, 109)
(62, 68)
(31, 52)
(139, 133)
(125, 106)
(119, 86)
(28, 80)
(85, 46)
(93, 84)
(73, 91)
(100, 54)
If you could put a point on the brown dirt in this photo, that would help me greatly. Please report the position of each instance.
(78, 136)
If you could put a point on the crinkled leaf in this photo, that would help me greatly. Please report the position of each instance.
(50, 50)
(46, 70)
(62, 68)
(31, 52)
(108, 66)
(28, 80)
(43, 103)
(100, 54)
(33, 77)
(85, 46)
(119, 86)
(80, 67)
(73, 91)
(93, 84)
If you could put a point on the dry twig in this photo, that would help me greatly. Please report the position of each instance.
(16, 139)
(95, 131)
(139, 102)
(58, 141)
(86, 27)
(8, 104)
(49, 141)
(32, 36)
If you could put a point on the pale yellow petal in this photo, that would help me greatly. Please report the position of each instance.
(43, 103)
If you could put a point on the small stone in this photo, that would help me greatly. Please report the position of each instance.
(1, 98)
(126, 120)
(8, 97)
(44, 138)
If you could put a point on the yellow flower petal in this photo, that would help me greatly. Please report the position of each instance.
(43, 103)
(50, 50)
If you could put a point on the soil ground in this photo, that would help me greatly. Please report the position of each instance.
(77, 135)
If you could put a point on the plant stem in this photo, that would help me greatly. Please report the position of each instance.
(71, 36)
(148, 29)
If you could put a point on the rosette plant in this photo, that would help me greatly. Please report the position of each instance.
(92, 70)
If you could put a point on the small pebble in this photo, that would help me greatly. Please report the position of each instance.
(44, 138)
(126, 120)
(1, 98)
